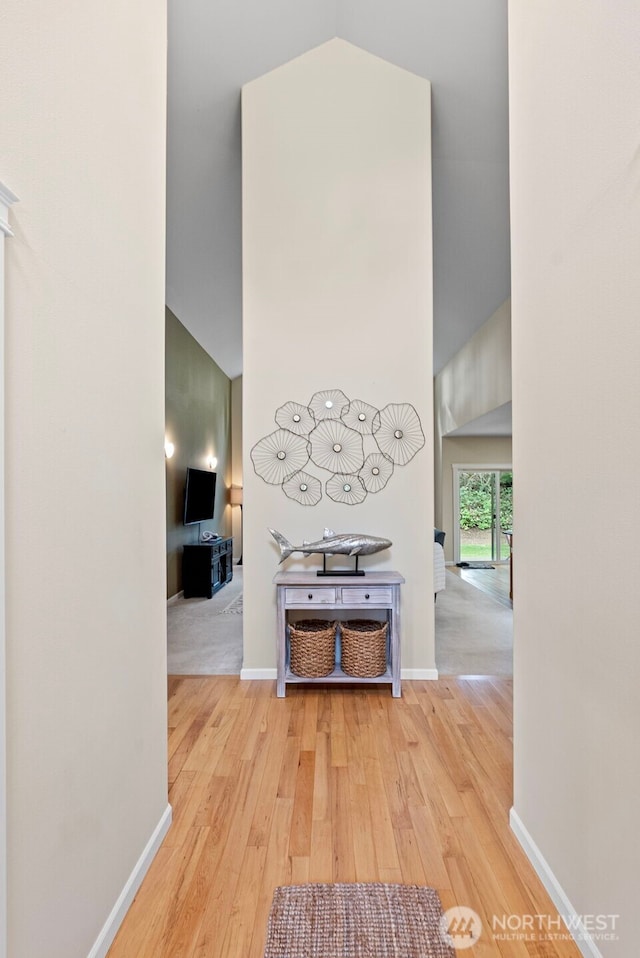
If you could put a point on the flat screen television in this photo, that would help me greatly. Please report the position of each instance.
(199, 495)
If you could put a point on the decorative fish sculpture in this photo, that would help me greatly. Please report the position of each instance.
(333, 543)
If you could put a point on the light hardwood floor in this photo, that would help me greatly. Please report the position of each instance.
(340, 784)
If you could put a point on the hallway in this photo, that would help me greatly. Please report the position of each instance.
(332, 785)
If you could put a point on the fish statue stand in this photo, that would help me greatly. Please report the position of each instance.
(334, 543)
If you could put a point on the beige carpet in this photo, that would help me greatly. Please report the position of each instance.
(358, 920)
(204, 636)
(474, 633)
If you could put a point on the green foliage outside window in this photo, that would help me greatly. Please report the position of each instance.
(476, 500)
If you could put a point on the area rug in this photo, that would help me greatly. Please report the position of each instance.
(234, 607)
(358, 920)
(475, 565)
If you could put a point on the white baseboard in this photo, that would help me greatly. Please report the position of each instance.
(248, 675)
(585, 944)
(105, 938)
(174, 598)
(430, 674)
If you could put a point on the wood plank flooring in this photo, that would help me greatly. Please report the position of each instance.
(332, 784)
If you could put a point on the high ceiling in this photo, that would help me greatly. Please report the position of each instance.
(217, 46)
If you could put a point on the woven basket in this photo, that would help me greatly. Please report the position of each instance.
(364, 648)
(312, 648)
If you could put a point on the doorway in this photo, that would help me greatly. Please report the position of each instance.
(482, 513)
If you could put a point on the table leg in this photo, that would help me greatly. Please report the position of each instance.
(396, 690)
(281, 645)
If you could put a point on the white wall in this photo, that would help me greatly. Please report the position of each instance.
(575, 99)
(478, 378)
(474, 383)
(83, 124)
(214, 48)
(461, 48)
(7, 198)
(236, 462)
(337, 293)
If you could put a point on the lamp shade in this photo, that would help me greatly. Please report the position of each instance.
(235, 495)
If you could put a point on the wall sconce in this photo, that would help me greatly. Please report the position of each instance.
(212, 462)
(169, 449)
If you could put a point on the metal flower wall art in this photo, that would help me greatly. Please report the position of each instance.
(358, 444)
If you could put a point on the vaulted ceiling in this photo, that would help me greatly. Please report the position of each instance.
(216, 46)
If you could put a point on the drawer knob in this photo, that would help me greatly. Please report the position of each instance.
(366, 595)
(310, 596)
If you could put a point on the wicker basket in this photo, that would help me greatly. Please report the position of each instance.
(364, 648)
(312, 648)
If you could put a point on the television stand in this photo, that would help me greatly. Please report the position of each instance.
(206, 568)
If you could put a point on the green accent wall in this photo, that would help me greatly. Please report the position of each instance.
(198, 423)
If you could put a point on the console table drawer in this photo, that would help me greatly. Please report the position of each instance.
(365, 596)
(310, 596)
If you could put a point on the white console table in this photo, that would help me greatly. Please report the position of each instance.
(378, 591)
